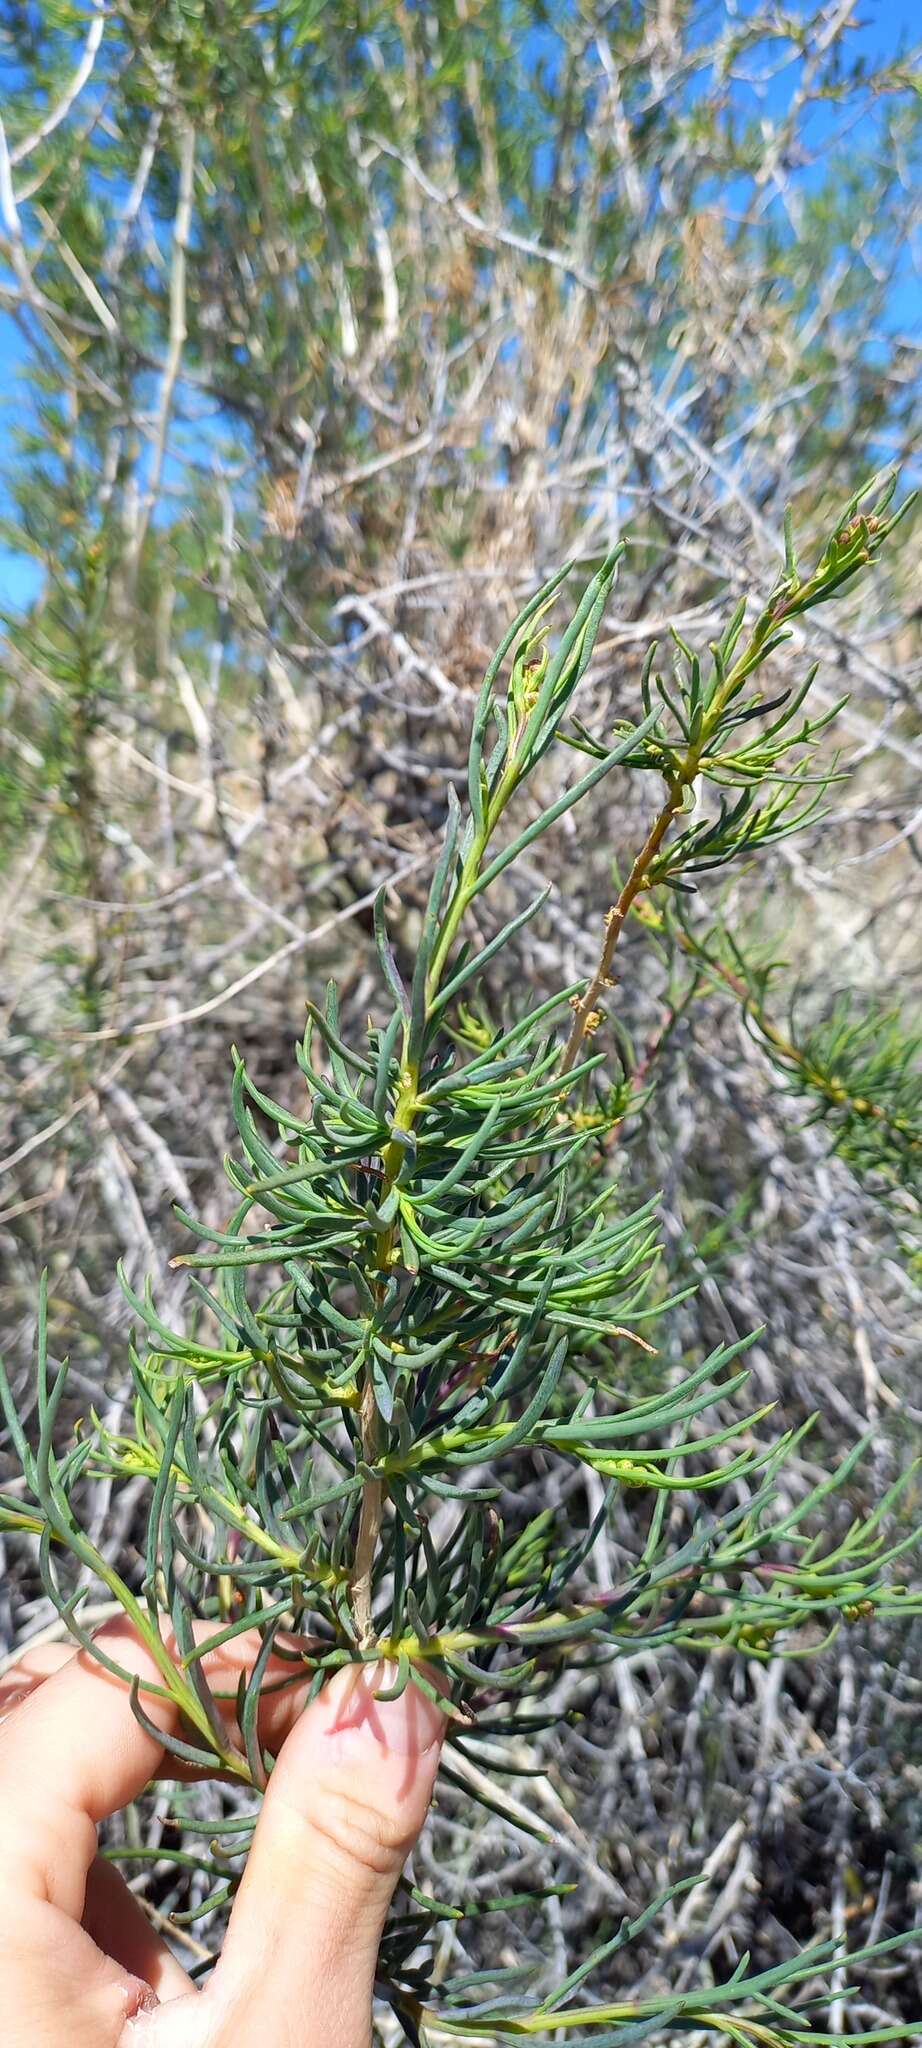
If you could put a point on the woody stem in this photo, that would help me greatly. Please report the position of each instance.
(369, 1521)
(614, 923)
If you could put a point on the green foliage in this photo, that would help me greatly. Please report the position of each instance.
(695, 734)
(858, 1062)
(430, 1276)
(865, 1067)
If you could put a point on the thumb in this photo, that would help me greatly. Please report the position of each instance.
(345, 1803)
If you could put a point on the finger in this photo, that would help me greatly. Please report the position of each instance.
(344, 1806)
(72, 1752)
(281, 1700)
(118, 1925)
(30, 1671)
(58, 1985)
(111, 1967)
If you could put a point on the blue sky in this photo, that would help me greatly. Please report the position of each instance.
(19, 578)
(883, 28)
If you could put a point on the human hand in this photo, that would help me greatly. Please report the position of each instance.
(80, 1964)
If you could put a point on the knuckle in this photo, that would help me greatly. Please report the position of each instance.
(364, 1836)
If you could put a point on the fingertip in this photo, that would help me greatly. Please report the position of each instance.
(352, 1713)
(344, 1806)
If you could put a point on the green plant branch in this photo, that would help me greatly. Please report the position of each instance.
(421, 1289)
(709, 717)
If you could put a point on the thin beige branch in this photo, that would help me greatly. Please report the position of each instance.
(234, 988)
(177, 336)
(79, 78)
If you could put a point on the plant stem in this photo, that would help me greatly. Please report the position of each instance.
(371, 1510)
(370, 1515)
(586, 1008)
(461, 897)
(406, 1110)
(682, 778)
(466, 885)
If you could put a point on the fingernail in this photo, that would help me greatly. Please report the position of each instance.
(140, 2000)
(406, 1727)
(9, 1701)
